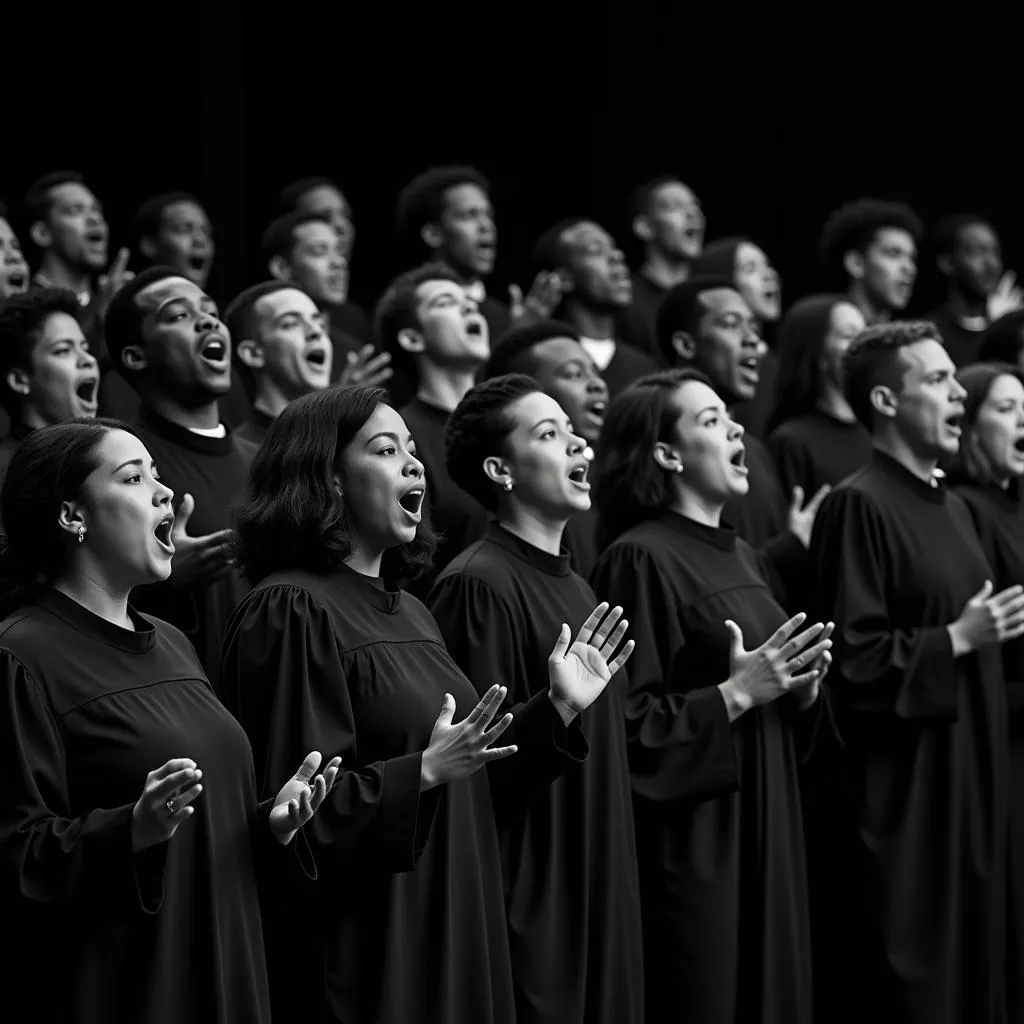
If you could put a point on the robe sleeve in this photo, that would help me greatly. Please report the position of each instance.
(63, 863)
(680, 742)
(485, 639)
(286, 677)
(879, 666)
(793, 463)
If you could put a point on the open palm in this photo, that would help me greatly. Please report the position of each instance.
(579, 671)
(298, 799)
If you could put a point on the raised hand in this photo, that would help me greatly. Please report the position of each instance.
(801, 517)
(457, 751)
(197, 558)
(165, 803)
(578, 674)
(988, 619)
(544, 298)
(1007, 297)
(807, 694)
(112, 281)
(786, 661)
(301, 796)
(364, 367)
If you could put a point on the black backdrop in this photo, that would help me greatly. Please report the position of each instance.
(774, 116)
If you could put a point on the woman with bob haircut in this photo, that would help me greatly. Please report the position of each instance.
(412, 925)
(512, 448)
(987, 474)
(130, 831)
(716, 801)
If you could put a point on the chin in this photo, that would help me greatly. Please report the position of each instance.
(739, 487)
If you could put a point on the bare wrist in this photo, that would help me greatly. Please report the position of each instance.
(564, 709)
(736, 701)
(958, 641)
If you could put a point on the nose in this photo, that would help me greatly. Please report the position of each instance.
(959, 392)
(597, 385)
(736, 430)
(86, 360)
(576, 444)
(207, 321)
(469, 306)
(162, 494)
(413, 466)
(314, 332)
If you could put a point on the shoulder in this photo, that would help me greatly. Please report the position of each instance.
(482, 562)
(246, 447)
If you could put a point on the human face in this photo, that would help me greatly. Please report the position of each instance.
(758, 283)
(13, 268)
(326, 201)
(710, 446)
(997, 434)
(889, 268)
(382, 482)
(930, 409)
(452, 332)
(677, 221)
(185, 241)
(128, 514)
(64, 377)
(187, 348)
(600, 277)
(318, 264)
(729, 348)
(77, 229)
(846, 321)
(297, 354)
(546, 458)
(977, 260)
(467, 225)
(563, 369)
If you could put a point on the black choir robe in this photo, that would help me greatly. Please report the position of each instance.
(214, 470)
(998, 516)
(719, 835)
(93, 932)
(571, 886)
(628, 364)
(580, 540)
(921, 937)
(410, 926)
(815, 449)
(637, 325)
(255, 429)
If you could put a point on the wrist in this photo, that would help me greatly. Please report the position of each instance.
(958, 640)
(428, 779)
(563, 707)
(736, 701)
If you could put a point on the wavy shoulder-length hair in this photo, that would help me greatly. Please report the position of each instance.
(629, 487)
(293, 516)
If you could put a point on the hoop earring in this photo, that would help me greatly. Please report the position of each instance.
(81, 535)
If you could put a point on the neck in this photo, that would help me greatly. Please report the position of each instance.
(590, 323)
(60, 275)
(269, 398)
(832, 402)
(873, 313)
(962, 307)
(200, 417)
(97, 596)
(533, 527)
(700, 509)
(443, 387)
(891, 443)
(32, 417)
(364, 561)
(664, 270)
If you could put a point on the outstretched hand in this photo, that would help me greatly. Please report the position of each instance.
(301, 796)
(542, 301)
(112, 282)
(579, 670)
(801, 516)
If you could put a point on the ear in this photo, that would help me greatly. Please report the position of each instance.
(642, 228)
(884, 401)
(336, 484)
(147, 246)
(279, 269)
(684, 345)
(432, 236)
(853, 264)
(70, 518)
(251, 354)
(667, 457)
(945, 265)
(134, 358)
(497, 470)
(41, 234)
(411, 341)
(19, 382)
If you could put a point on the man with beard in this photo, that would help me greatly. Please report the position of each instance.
(166, 339)
(596, 288)
(281, 342)
(668, 221)
(869, 250)
(970, 258)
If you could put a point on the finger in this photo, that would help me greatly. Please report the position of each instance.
(309, 766)
(593, 620)
(808, 657)
(379, 378)
(364, 355)
(318, 792)
(377, 363)
(515, 296)
(607, 649)
(490, 708)
(983, 595)
(793, 647)
(798, 499)
(496, 753)
(601, 633)
(330, 774)
(735, 637)
(815, 502)
(305, 806)
(1012, 634)
(185, 798)
(798, 682)
(561, 648)
(120, 264)
(447, 710)
(493, 733)
(170, 784)
(1010, 595)
(622, 657)
(182, 515)
(177, 818)
(782, 634)
(176, 764)
(483, 702)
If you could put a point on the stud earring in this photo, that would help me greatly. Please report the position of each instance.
(508, 485)
(679, 468)
(81, 535)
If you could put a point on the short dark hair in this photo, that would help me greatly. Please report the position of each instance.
(293, 517)
(291, 195)
(396, 312)
(38, 200)
(629, 487)
(47, 468)
(854, 226)
(479, 428)
(681, 310)
(279, 237)
(549, 251)
(873, 359)
(5, 213)
(1003, 339)
(510, 354)
(422, 200)
(945, 235)
(240, 316)
(22, 317)
(122, 325)
(642, 196)
(149, 216)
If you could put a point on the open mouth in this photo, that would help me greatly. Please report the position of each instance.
(198, 262)
(86, 391)
(739, 459)
(475, 328)
(752, 365)
(1018, 445)
(18, 279)
(96, 236)
(955, 420)
(412, 501)
(578, 474)
(598, 408)
(214, 349)
(163, 533)
(317, 357)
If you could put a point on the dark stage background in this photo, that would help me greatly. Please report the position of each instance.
(773, 116)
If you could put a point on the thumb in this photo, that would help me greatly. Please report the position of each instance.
(309, 766)
(447, 712)
(515, 295)
(735, 638)
(561, 647)
(984, 594)
(184, 513)
(798, 499)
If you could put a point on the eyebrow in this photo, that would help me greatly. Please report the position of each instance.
(386, 434)
(710, 408)
(552, 421)
(203, 298)
(130, 462)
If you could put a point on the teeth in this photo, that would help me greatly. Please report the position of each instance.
(214, 350)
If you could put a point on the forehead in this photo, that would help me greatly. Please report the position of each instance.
(466, 195)
(534, 407)
(747, 252)
(558, 351)
(184, 209)
(925, 357)
(431, 291)
(59, 326)
(323, 197)
(119, 446)
(673, 193)
(6, 231)
(314, 232)
(719, 301)
(890, 238)
(383, 420)
(693, 396)
(286, 300)
(71, 193)
(1005, 386)
(153, 296)
(977, 233)
(584, 234)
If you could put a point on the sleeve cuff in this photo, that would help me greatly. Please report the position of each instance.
(931, 690)
(538, 725)
(407, 818)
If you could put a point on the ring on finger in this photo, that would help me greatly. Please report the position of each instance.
(172, 808)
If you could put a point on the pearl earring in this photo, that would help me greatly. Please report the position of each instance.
(508, 485)
(679, 468)
(81, 535)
